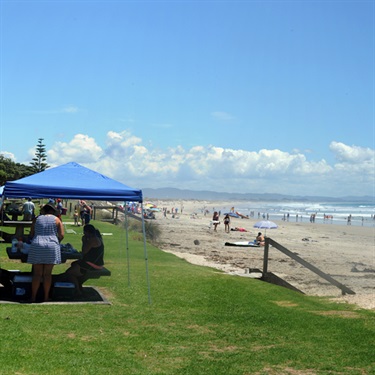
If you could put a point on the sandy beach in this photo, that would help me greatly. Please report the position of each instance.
(345, 252)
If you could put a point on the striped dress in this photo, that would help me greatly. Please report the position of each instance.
(45, 246)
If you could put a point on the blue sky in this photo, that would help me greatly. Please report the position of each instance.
(232, 96)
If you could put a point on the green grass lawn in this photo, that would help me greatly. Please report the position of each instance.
(200, 321)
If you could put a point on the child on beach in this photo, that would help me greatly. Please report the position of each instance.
(226, 223)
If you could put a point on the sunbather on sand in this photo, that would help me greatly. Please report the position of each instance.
(238, 229)
(260, 239)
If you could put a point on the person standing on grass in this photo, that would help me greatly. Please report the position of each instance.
(84, 212)
(87, 214)
(75, 216)
(47, 232)
(28, 209)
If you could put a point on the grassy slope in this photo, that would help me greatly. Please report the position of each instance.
(199, 321)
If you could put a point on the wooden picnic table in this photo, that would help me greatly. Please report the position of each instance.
(65, 255)
(20, 226)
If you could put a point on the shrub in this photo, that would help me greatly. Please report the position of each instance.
(151, 228)
(103, 215)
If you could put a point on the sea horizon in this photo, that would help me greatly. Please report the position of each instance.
(360, 213)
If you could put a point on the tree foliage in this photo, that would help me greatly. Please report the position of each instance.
(10, 171)
(39, 161)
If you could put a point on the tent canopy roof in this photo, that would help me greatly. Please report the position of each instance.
(71, 181)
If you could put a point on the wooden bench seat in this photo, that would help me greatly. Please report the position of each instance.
(94, 274)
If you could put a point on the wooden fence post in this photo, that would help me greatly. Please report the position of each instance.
(265, 256)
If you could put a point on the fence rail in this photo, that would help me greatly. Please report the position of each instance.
(284, 250)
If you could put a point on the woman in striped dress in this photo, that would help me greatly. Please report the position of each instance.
(47, 233)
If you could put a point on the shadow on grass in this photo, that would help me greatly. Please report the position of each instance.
(90, 295)
(271, 278)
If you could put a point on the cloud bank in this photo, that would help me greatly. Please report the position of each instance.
(125, 158)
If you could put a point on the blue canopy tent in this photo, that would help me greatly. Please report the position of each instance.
(73, 181)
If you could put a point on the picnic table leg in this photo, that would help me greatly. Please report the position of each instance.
(19, 231)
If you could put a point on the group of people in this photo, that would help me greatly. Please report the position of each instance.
(47, 231)
(216, 221)
(82, 213)
(259, 240)
(28, 208)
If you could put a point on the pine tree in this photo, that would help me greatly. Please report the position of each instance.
(38, 164)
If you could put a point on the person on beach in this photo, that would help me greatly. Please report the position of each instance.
(238, 229)
(227, 223)
(47, 232)
(215, 220)
(260, 239)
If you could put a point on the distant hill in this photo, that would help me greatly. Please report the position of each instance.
(173, 193)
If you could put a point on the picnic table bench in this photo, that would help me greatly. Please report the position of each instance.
(94, 274)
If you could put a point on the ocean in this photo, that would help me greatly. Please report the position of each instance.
(362, 214)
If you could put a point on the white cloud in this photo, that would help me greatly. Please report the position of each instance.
(70, 109)
(129, 120)
(126, 159)
(8, 155)
(81, 147)
(351, 154)
(162, 126)
(222, 116)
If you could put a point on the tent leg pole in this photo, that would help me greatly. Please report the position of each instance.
(145, 253)
(127, 243)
